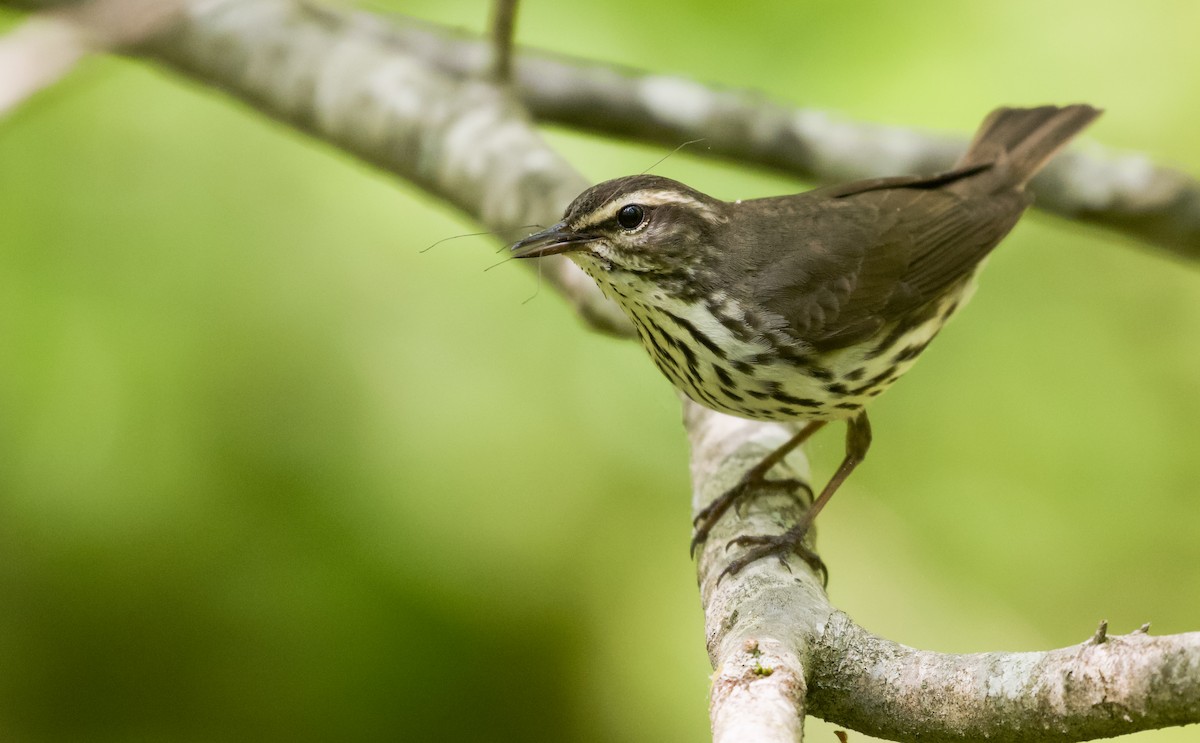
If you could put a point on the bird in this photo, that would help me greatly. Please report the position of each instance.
(803, 308)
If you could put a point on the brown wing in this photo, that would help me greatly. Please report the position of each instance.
(838, 264)
(878, 250)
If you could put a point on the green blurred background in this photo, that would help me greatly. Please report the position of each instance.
(268, 472)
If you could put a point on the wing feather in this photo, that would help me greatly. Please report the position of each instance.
(880, 252)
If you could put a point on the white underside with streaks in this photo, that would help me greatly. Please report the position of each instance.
(739, 380)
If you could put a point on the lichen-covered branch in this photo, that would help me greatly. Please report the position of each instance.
(1108, 685)
(760, 622)
(778, 647)
(464, 140)
(775, 640)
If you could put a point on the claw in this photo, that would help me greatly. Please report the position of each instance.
(738, 496)
(858, 439)
(779, 545)
(755, 477)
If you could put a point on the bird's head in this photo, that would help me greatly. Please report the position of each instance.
(643, 224)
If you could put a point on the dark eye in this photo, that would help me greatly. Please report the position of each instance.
(630, 216)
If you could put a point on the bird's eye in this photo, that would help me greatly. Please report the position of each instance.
(631, 216)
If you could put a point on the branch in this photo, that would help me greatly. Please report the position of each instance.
(48, 46)
(463, 140)
(760, 622)
(780, 649)
(1123, 192)
(1106, 686)
(776, 642)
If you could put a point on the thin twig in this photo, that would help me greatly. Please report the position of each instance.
(504, 20)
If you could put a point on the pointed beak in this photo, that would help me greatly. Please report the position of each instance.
(557, 239)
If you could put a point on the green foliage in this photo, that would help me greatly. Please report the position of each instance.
(267, 472)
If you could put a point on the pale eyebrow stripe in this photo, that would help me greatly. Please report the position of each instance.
(649, 197)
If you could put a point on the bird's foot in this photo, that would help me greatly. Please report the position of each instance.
(738, 495)
(777, 545)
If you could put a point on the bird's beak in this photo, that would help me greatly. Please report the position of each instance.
(557, 239)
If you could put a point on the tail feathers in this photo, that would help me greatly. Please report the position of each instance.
(1023, 140)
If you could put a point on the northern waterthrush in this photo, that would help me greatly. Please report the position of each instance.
(803, 307)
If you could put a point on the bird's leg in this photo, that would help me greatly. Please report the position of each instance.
(858, 440)
(754, 478)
